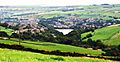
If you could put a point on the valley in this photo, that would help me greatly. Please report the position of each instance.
(89, 33)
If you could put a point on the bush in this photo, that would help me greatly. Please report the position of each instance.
(3, 34)
(58, 58)
(14, 35)
(89, 35)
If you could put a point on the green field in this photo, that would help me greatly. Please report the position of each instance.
(7, 30)
(48, 46)
(99, 12)
(106, 35)
(7, 55)
(53, 46)
(109, 35)
(114, 40)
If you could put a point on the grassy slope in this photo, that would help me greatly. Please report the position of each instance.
(53, 46)
(50, 46)
(7, 55)
(105, 34)
(9, 31)
(114, 40)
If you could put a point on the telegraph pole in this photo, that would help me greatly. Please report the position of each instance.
(19, 37)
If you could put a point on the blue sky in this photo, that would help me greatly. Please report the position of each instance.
(55, 2)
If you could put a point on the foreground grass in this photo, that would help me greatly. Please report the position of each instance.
(53, 46)
(7, 55)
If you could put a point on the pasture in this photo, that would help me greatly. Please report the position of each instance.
(7, 55)
(109, 35)
(48, 46)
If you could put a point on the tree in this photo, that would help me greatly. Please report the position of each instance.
(113, 51)
(75, 35)
(3, 34)
(64, 40)
(90, 41)
(14, 35)
(89, 35)
(26, 35)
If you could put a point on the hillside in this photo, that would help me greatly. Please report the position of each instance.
(7, 30)
(114, 40)
(106, 34)
(47, 46)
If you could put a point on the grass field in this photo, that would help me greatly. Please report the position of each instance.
(50, 46)
(9, 31)
(53, 46)
(114, 40)
(7, 55)
(106, 35)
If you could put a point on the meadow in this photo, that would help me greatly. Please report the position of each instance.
(48, 46)
(107, 34)
(114, 40)
(7, 30)
(7, 55)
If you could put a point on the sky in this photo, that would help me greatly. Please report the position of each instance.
(54, 2)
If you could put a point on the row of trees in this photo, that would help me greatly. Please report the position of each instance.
(112, 51)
